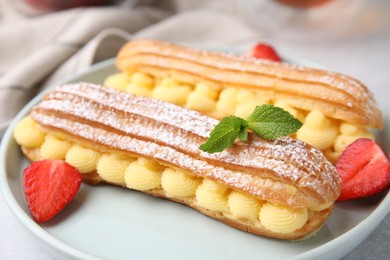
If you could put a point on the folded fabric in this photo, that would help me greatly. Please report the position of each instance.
(51, 47)
(43, 50)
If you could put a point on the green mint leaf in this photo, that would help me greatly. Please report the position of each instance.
(267, 121)
(243, 133)
(224, 134)
(270, 122)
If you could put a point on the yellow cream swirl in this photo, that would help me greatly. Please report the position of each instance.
(282, 219)
(117, 81)
(245, 109)
(83, 159)
(27, 134)
(206, 90)
(243, 96)
(294, 112)
(171, 91)
(141, 84)
(226, 104)
(179, 184)
(244, 206)
(318, 130)
(143, 174)
(213, 196)
(350, 133)
(54, 148)
(246, 102)
(112, 167)
(138, 90)
(142, 79)
(202, 99)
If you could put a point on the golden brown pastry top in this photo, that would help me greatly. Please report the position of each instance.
(285, 171)
(336, 95)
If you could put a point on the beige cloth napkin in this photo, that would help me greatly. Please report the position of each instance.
(40, 51)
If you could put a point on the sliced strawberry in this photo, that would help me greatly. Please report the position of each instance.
(364, 169)
(264, 51)
(49, 185)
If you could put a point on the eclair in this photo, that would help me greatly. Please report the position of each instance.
(335, 109)
(282, 188)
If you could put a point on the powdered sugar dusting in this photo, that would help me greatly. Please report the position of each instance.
(328, 88)
(173, 134)
(241, 63)
(154, 109)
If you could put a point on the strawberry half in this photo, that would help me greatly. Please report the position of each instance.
(49, 185)
(364, 169)
(264, 51)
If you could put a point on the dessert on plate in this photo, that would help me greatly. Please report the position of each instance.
(335, 109)
(282, 188)
(150, 138)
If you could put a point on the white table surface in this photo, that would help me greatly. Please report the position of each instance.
(362, 52)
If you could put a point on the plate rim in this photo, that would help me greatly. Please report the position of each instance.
(27, 221)
(367, 225)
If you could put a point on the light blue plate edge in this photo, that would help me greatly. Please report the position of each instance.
(26, 220)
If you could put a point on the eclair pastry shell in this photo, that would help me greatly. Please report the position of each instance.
(336, 95)
(284, 171)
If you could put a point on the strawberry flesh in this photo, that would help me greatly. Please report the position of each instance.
(264, 51)
(49, 185)
(364, 169)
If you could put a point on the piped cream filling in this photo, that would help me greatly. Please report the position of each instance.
(282, 219)
(112, 167)
(83, 159)
(213, 196)
(319, 131)
(143, 174)
(147, 174)
(27, 134)
(55, 148)
(179, 184)
(244, 206)
(329, 135)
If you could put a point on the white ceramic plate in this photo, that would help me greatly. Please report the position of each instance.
(115, 223)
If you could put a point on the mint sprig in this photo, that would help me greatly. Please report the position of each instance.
(270, 122)
(224, 134)
(267, 121)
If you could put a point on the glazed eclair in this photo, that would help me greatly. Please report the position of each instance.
(282, 188)
(335, 109)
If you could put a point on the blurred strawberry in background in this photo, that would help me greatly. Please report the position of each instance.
(263, 51)
(55, 5)
(303, 3)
